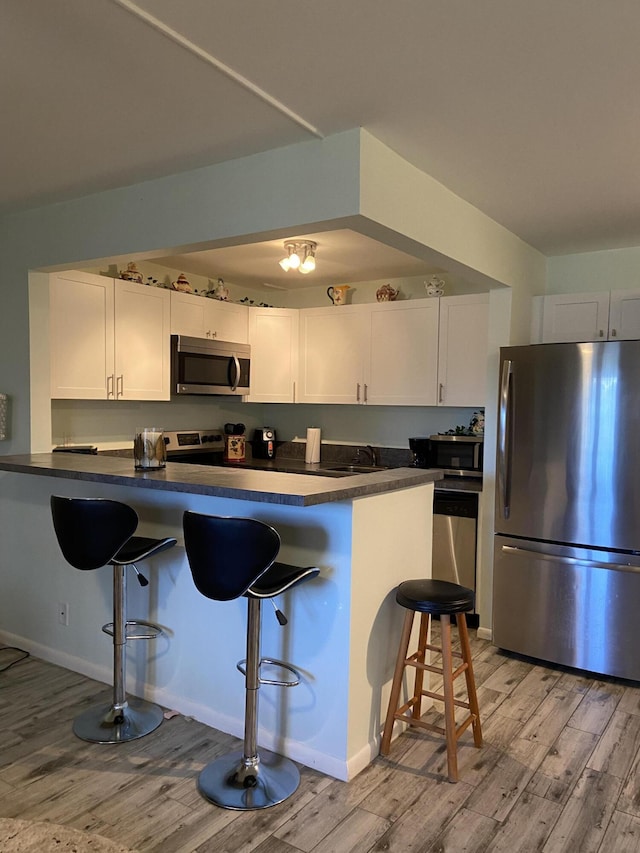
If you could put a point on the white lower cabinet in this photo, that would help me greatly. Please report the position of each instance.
(201, 317)
(109, 339)
(463, 350)
(376, 354)
(273, 336)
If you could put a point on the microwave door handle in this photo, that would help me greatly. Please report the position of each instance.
(234, 384)
(504, 449)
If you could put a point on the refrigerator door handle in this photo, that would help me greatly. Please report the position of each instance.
(504, 449)
(571, 561)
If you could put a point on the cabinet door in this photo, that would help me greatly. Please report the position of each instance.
(331, 348)
(462, 351)
(624, 315)
(575, 317)
(142, 323)
(226, 321)
(273, 335)
(81, 329)
(401, 368)
(188, 314)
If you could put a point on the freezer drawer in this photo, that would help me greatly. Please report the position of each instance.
(573, 606)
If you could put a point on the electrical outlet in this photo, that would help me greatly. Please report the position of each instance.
(63, 612)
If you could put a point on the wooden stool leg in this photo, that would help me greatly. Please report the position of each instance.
(449, 707)
(416, 711)
(396, 685)
(471, 682)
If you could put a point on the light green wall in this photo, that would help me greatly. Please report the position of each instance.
(350, 180)
(615, 269)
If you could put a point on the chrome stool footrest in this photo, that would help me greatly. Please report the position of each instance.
(240, 666)
(153, 632)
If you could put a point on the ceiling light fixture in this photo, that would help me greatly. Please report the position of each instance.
(301, 256)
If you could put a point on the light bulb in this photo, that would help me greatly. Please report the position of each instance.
(309, 264)
(294, 260)
(284, 263)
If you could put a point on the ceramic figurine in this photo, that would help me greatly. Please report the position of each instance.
(220, 291)
(387, 293)
(182, 284)
(132, 273)
(435, 286)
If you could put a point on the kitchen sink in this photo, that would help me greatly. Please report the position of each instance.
(357, 469)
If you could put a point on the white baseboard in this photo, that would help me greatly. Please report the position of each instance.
(484, 634)
(333, 766)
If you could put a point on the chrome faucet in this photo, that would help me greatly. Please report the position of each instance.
(370, 451)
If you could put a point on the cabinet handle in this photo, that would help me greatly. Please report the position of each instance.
(365, 391)
(214, 334)
(110, 386)
(441, 392)
(614, 334)
(357, 392)
(294, 391)
(120, 386)
(601, 333)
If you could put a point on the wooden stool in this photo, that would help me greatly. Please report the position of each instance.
(435, 598)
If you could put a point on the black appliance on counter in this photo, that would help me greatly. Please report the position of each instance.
(263, 444)
(199, 447)
(457, 455)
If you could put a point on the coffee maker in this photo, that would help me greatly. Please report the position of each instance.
(263, 444)
(420, 449)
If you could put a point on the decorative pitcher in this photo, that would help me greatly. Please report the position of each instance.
(338, 294)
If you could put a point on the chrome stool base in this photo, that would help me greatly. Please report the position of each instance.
(107, 724)
(235, 783)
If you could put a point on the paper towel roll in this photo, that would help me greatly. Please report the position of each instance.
(313, 445)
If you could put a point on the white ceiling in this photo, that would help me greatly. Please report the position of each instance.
(528, 110)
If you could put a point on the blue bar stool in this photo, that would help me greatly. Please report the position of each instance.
(443, 599)
(93, 532)
(231, 557)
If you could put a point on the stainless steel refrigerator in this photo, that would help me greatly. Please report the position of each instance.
(567, 545)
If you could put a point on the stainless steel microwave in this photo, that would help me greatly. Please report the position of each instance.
(207, 366)
(457, 455)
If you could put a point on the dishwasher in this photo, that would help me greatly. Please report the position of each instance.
(455, 521)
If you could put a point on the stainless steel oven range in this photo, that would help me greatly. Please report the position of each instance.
(199, 447)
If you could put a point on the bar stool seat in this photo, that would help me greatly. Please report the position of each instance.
(443, 599)
(94, 532)
(230, 558)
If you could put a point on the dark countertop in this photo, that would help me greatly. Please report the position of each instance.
(459, 484)
(267, 485)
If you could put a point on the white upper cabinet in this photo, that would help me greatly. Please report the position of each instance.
(463, 350)
(273, 335)
(401, 366)
(624, 315)
(201, 317)
(376, 354)
(575, 317)
(109, 339)
(142, 352)
(603, 316)
(332, 341)
(82, 336)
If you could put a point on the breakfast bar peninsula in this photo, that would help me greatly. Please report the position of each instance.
(366, 533)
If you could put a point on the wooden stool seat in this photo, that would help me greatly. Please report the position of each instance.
(443, 599)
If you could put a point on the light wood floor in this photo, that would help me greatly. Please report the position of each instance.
(558, 772)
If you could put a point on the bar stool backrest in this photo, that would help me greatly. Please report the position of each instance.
(91, 531)
(228, 555)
